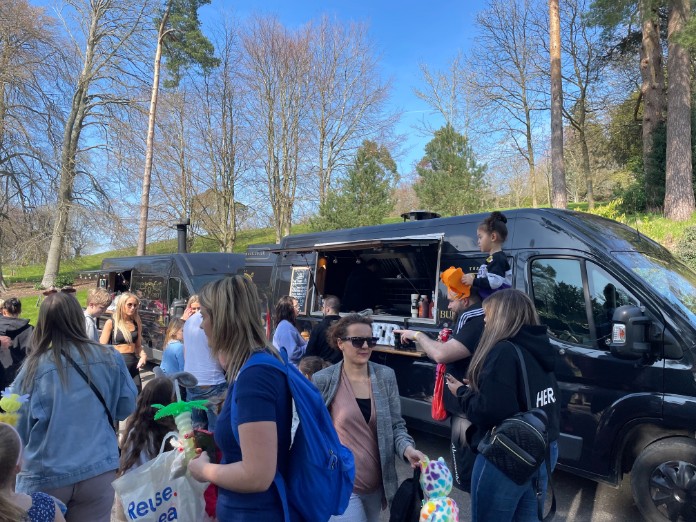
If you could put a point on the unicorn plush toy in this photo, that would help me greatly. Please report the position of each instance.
(436, 482)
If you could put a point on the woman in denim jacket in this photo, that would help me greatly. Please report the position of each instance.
(71, 451)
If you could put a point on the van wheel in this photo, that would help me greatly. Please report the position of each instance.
(663, 480)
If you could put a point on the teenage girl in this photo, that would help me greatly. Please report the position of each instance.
(173, 351)
(495, 274)
(144, 434)
(37, 507)
(125, 331)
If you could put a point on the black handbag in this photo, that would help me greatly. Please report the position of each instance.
(519, 445)
(408, 500)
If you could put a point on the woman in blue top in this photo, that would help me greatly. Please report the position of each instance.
(286, 334)
(70, 449)
(173, 351)
(261, 411)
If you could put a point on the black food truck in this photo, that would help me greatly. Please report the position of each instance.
(628, 404)
(163, 283)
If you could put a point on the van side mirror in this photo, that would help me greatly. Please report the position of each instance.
(629, 333)
(177, 309)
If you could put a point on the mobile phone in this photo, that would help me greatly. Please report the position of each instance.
(204, 440)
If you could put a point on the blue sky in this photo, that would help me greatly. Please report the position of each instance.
(406, 32)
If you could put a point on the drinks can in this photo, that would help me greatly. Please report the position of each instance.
(444, 335)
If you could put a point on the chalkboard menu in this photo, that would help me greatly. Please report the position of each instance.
(299, 286)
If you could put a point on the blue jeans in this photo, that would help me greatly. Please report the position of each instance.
(207, 419)
(496, 498)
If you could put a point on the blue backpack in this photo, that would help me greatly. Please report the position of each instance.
(321, 470)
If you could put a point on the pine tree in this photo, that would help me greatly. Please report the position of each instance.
(363, 198)
(451, 181)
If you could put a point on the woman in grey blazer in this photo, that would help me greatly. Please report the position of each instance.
(363, 399)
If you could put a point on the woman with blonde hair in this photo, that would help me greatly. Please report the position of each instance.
(76, 389)
(495, 390)
(193, 305)
(125, 331)
(260, 410)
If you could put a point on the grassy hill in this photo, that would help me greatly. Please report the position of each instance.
(664, 231)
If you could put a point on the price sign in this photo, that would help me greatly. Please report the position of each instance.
(299, 286)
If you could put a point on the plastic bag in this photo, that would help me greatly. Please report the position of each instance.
(149, 494)
(438, 411)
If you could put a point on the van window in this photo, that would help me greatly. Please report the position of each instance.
(606, 295)
(560, 300)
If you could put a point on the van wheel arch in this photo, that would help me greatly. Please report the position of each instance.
(663, 480)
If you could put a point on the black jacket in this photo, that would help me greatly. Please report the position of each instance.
(501, 391)
(318, 345)
(19, 330)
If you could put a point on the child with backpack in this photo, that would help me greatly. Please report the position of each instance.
(257, 478)
(496, 273)
(37, 507)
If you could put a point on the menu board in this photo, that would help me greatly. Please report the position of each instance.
(299, 286)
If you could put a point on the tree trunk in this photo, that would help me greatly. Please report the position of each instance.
(560, 197)
(149, 145)
(655, 103)
(679, 191)
(530, 155)
(586, 171)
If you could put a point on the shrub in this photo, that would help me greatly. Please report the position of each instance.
(686, 248)
(64, 280)
(611, 210)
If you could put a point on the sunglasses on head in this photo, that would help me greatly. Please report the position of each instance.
(358, 342)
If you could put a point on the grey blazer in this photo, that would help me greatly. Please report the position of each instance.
(392, 437)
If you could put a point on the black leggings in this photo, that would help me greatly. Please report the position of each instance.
(132, 364)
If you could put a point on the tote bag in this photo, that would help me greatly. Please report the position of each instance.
(148, 494)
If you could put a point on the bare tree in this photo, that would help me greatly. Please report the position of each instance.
(225, 142)
(446, 94)
(27, 41)
(560, 198)
(505, 81)
(108, 27)
(347, 98)
(277, 70)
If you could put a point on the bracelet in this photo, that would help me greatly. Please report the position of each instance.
(415, 337)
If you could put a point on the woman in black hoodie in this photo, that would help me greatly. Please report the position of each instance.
(19, 331)
(495, 391)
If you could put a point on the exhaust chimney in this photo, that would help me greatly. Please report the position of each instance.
(181, 228)
(419, 215)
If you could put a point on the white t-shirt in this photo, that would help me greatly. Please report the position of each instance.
(197, 357)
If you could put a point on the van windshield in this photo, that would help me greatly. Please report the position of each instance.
(671, 279)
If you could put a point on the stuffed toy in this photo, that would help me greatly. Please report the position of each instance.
(436, 482)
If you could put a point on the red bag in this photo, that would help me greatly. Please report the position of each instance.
(438, 411)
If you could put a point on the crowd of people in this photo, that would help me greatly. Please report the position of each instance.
(77, 383)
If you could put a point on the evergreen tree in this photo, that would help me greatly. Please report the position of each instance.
(363, 198)
(451, 181)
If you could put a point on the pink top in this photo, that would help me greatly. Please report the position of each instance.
(359, 436)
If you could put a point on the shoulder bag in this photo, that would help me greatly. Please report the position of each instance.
(519, 445)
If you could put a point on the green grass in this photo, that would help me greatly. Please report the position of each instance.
(30, 305)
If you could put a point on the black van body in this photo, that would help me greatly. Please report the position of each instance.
(627, 405)
(163, 283)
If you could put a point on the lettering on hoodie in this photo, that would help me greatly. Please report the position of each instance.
(545, 397)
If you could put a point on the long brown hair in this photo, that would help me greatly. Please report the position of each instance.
(143, 432)
(61, 324)
(175, 326)
(233, 307)
(506, 311)
(285, 310)
(10, 451)
(119, 320)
